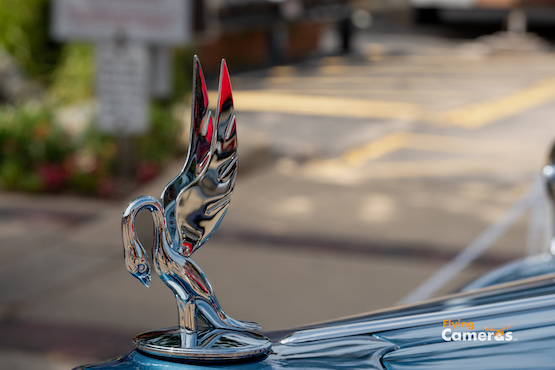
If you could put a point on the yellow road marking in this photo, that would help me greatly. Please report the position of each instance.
(375, 91)
(283, 71)
(453, 144)
(333, 65)
(333, 69)
(469, 116)
(483, 113)
(368, 80)
(374, 51)
(335, 172)
(403, 140)
(464, 69)
(375, 149)
(328, 61)
(276, 101)
(332, 104)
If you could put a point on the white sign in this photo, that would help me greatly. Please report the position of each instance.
(154, 21)
(161, 67)
(122, 85)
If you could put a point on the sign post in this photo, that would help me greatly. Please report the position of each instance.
(160, 22)
(122, 86)
(124, 31)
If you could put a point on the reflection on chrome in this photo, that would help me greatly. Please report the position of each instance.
(192, 206)
(549, 174)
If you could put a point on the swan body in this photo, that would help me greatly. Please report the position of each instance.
(191, 207)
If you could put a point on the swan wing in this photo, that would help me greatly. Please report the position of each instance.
(201, 148)
(201, 205)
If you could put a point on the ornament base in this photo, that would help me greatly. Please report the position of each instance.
(208, 344)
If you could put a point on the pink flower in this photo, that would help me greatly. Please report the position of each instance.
(105, 187)
(53, 176)
(146, 172)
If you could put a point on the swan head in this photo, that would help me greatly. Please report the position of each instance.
(141, 271)
(136, 258)
(137, 263)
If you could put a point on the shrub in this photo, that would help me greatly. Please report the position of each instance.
(24, 34)
(38, 155)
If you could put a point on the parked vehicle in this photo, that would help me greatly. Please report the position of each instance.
(505, 320)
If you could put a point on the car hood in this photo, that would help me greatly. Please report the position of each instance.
(410, 336)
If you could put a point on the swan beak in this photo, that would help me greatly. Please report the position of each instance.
(145, 280)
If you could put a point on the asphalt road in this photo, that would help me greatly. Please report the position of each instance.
(377, 169)
(401, 156)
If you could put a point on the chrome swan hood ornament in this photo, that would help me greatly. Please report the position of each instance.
(191, 207)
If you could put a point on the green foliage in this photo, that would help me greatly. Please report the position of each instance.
(161, 142)
(36, 153)
(69, 69)
(182, 73)
(24, 34)
(29, 140)
(73, 79)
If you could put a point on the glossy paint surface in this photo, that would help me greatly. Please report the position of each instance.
(360, 352)
(516, 270)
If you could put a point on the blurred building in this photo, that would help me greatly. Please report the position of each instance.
(257, 32)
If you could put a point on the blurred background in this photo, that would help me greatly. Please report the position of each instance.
(380, 141)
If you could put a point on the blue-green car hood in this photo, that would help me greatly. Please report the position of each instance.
(410, 337)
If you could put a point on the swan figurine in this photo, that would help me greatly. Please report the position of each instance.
(190, 209)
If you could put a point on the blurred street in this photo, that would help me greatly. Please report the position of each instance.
(364, 174)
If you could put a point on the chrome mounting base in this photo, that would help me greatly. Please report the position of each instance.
(208, 344)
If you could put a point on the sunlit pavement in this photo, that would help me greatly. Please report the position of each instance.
(382, 167)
